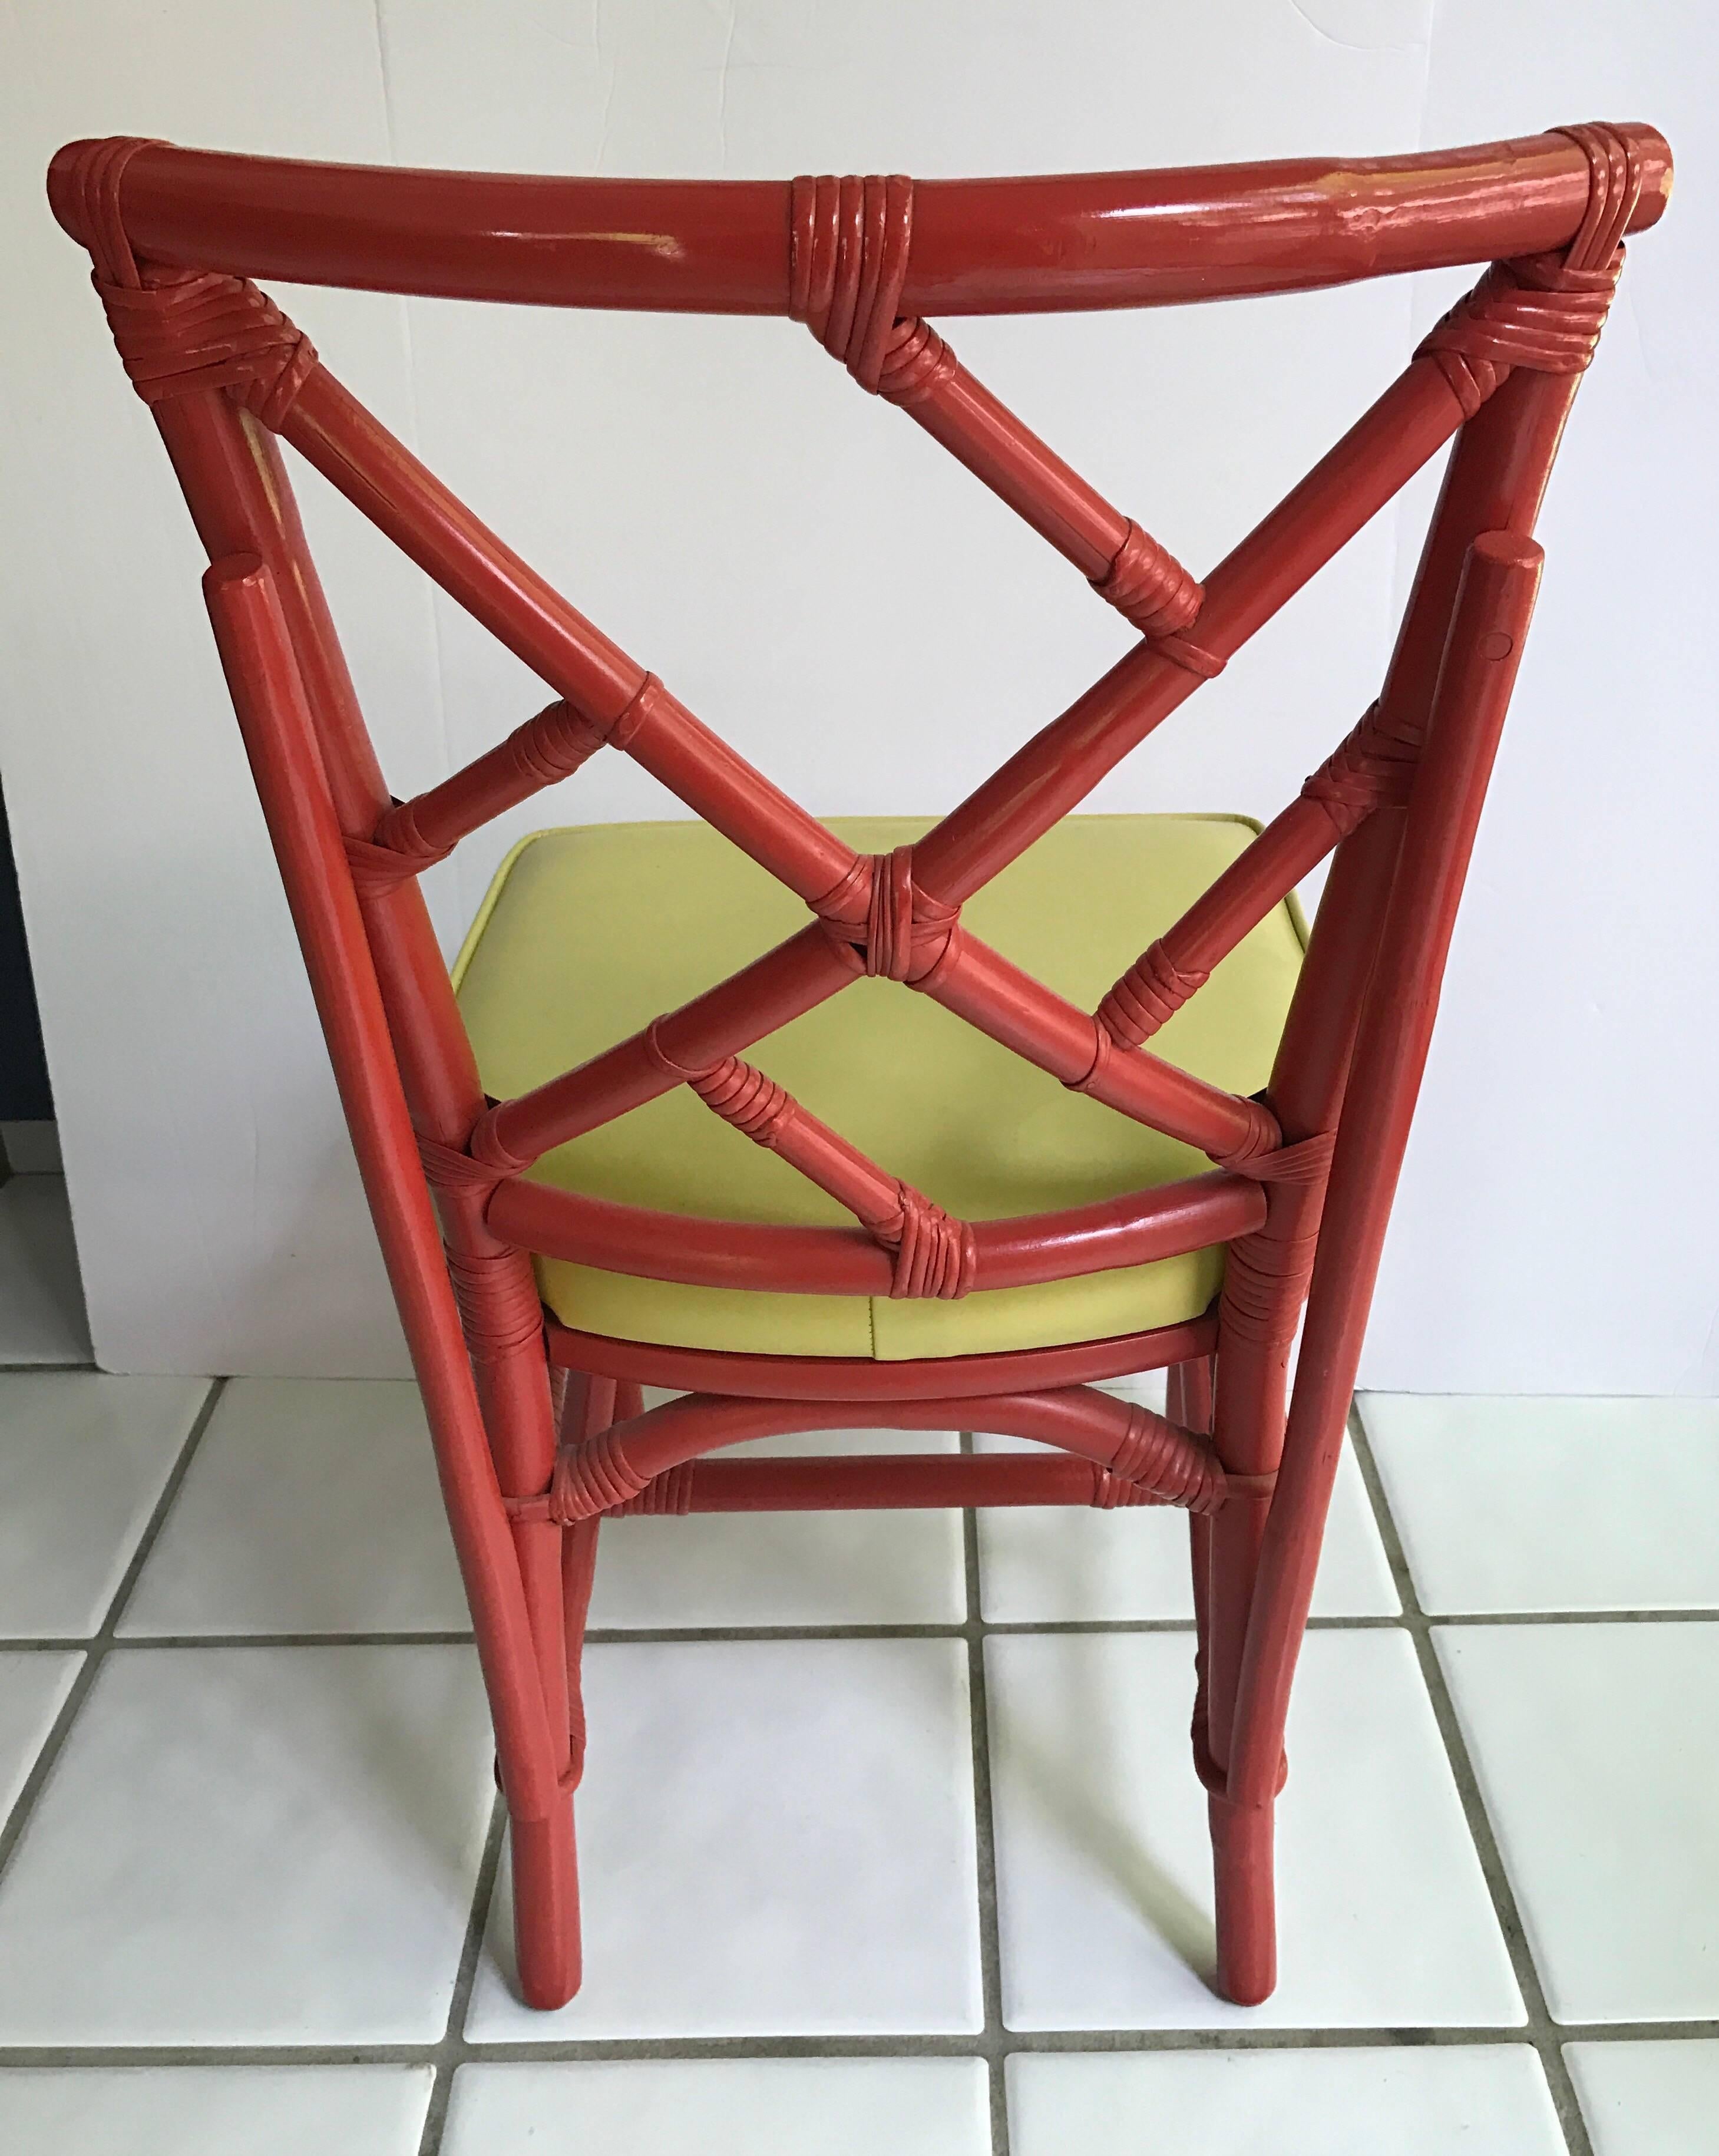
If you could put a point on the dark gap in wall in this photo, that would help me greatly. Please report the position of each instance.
(25, 1096)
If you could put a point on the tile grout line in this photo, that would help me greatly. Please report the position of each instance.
(1542, 2031)
(453, 2051)
(1086, 2043)
(95, 1649)
(684, 1634)
(995, 2039)
(695, 1634)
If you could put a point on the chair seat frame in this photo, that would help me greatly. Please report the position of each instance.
(539, 1429)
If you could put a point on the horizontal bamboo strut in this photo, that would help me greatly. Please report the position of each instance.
(541, 1431)
(1141, 1457)
(906, 1481)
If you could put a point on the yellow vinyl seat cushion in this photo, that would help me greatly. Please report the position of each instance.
(587, 934)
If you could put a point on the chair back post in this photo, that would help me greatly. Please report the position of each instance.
(1494, 480)
(261, 668)
(241, 499)
(1494, 603)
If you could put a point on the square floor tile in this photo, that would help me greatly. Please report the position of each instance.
(1649, 2098)
(42, 1317)
(252, 1845)
(723, 2107)
(212, 2111)
(1104, 1866)
(776, 1838)
(1046, 1564)
(32, 1690)
(82, 1460)
(311, 1506)
(1597, 1750)
(1553, 1504)
(816, 1568)
(1410, 2100)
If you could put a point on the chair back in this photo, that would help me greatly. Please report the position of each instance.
(1303, 1175)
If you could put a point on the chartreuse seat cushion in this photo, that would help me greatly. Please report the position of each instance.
(589, 934)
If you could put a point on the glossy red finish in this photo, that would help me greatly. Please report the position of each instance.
(540, 1430)
(1145, 1459)
(953, 1378)
(1132, 1230)
(980, 246)
(906, 1482)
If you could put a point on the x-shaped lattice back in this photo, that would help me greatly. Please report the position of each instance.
(896, 916)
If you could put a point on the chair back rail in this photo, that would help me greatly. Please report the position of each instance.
(986, 246)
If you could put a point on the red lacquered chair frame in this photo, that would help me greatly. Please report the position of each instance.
(539, 1429)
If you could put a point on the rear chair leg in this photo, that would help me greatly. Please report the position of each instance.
(1247, 1428)
(1241, 1841)
(1243, 1877)
(546, 1907)
(1244, 1886)
(546, 1868)
(1187, 1400)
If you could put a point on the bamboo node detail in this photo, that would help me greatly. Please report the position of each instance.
(935, 1253)
(1372, 767)
(1545, 311)
(186, 330)
(744, 1096)
(666, 1495)
(1150, 994)
(592, 1477)
(1177, 1467)
(917, 359)
(500, 1308)
(847, 264)
(1149, 587)
(904, 932)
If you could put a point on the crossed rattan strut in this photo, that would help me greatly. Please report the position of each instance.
(538, 1427)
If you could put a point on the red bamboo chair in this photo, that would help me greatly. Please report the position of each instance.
(563, 1273)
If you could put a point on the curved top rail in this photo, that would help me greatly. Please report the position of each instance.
(984, 246)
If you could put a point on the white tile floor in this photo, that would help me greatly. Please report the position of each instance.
(889, 1839)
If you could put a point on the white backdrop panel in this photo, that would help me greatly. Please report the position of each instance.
(824, 585)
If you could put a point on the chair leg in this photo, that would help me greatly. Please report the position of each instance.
(1241, 1841)
(546, 1907)
(546, 1867)
(1248, 1431)
(1188, 1401)
(1243, 1876)
(1244, 1899)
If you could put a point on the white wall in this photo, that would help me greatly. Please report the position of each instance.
(724, 501)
